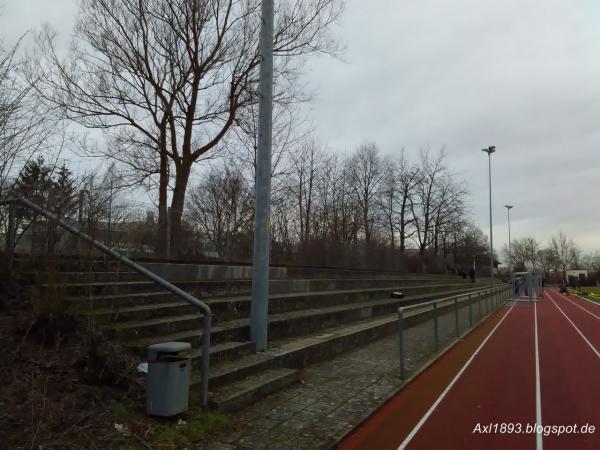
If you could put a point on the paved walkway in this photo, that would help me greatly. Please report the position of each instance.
(329, 401)
(335, 396)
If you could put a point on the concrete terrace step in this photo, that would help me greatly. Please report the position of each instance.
(299, 352)
(84, 277)
(78, 285)
(69, 265)
(140, 312)
(281, 325)
(219, 352)
(225, 308)
(153, 327)
(225, 351)
(309, 349)
(235, 330)
(117, 301)
(244, 392)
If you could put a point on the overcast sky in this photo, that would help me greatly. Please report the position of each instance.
(523, 75)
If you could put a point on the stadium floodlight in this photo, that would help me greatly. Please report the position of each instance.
(510, 267)
(491, 149)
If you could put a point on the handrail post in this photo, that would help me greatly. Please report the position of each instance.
(205, 359)
(435, 326)
(456, 316)
(401, 340)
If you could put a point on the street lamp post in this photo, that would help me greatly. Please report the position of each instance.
(510, 267)
(491, 149)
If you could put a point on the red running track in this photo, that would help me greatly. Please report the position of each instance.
(569, 369)
(500, 384)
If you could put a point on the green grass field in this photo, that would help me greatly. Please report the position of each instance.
(591, 293)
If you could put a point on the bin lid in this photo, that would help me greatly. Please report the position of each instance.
(169, 347)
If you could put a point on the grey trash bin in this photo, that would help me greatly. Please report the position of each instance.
(168, 381)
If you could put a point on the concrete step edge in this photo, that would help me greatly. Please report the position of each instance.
(244, 392)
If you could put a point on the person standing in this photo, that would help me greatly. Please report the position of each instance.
(472, 274)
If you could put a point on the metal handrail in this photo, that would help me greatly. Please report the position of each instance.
(203, 307)
(466, 294)
(452, 300)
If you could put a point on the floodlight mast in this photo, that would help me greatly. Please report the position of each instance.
(259, 307)
(510, 266)
(491, 149)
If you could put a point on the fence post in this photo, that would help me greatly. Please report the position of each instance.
(401, 340)
(470, 312)
(456, 316)
(435, 326)
(479, 304)
(204, 364)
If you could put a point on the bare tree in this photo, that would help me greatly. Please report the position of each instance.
(305, 176)
(449, 209)
(386, 201)
(565, 251)
(468, 243)
(427, 200)
(221, 208)
(366, 172)
(397, 193)
(525, 254)
(547, 260)
(106, 212)
(409, 177)
(590, 261)
(339, 217)
(167, 80)
(25, 127)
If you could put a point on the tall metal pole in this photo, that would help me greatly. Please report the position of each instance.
(510, 267)
(491, 232)
(259, 309)
(491, 149)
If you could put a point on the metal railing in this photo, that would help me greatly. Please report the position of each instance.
(203, 307)
(494, 296)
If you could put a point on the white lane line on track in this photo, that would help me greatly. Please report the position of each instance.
(586, 299)
(538, 394)
(576, 329)
(579, 306)
(418, 426)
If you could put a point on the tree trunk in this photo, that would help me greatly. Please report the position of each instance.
(182, 177)
(163, 184)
